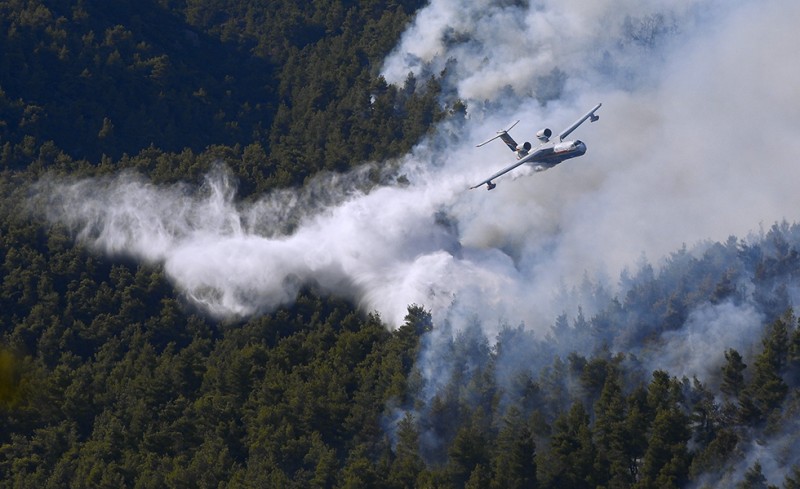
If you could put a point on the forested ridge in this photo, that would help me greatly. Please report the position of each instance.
(286, 89)
(109, 378)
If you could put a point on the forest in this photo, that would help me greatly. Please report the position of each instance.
(110, 378)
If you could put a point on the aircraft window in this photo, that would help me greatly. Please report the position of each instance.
(578, 142)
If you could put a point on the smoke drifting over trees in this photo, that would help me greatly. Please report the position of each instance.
(618, 321)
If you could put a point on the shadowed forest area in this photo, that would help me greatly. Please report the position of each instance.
(110, 378)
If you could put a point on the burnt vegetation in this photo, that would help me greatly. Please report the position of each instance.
(109, 379)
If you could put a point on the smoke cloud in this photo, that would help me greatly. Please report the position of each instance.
(694, 143)
(701, 99)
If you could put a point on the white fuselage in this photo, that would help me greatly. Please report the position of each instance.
(549, 157)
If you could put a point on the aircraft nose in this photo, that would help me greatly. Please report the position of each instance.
(580, 147)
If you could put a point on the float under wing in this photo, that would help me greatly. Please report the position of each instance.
(488, 182)
(589, 115)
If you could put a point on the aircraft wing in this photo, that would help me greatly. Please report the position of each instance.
(589, 115)
(528, 158)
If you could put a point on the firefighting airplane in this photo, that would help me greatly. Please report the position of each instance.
(547, 155)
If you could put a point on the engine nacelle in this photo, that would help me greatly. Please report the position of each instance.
(522, 149)
(544, 135)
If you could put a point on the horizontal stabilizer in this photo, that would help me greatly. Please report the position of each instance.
(500, 134)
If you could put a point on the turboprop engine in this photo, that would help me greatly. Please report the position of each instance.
(544, 135)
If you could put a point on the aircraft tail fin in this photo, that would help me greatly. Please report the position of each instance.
(505, 136)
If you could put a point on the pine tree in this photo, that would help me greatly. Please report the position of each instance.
(754, 479)
(637, 424)
(705, 415)
(732, 373)
(793, 367)
(610, 434)
(468, 451)
(479, 478)
(767, 389)
(666, 460)
(407, 463)
(570, 460)
(514, 464)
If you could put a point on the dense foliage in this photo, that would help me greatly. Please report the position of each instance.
(108, 378)
(286, 89)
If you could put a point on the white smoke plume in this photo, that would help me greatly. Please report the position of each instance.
(695, 142)
(697, 349)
